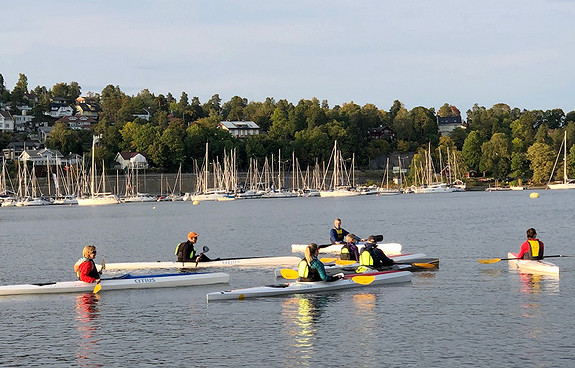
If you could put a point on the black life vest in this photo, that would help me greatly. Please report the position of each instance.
(186, 252)
(306, 273)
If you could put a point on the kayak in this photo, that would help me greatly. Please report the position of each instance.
(387, 248)
(533, 266)
(225, 262)
(126, 281)
(332, 268)
(297, 287)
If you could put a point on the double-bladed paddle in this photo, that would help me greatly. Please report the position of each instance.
(495, 260)
(378, 238)
(343, 262)
(98, 285)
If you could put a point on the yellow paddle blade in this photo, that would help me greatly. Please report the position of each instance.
(363, 280)
(345, 262)
(288, 273)
(424, 265)
(488, 261)
(97, 288)
(328, 260)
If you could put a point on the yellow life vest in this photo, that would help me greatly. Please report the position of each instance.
(365, 259)
(303, 268)
(534, 247)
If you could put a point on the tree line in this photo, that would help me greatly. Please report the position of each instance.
(502, 142)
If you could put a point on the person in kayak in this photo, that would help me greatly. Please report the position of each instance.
(372, 257)
(349, 251)
(85, 268)
(337, 234)
(532, 248)
(186, 251)
(310, 267)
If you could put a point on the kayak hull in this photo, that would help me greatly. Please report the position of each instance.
(387, 248)
(230, 262)
(124, 282)
(533, 266)
(380, 278)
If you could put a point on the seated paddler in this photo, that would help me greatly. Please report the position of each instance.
(532, 248)
(186, 251)
(310, 267)
(349, 251)
(373, 258)
(85, 267)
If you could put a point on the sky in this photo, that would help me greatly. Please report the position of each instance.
(422, 53)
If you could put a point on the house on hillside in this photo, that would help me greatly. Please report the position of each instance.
(86, 106)
(449, 123)
(41, 156)
(78, 122)
(131, 160)
(382, 132)
(6, 121)
(240, 129)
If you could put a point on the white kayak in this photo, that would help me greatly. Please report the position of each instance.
(387, 248)
(226, 262)
(533, 266)
(332, 268)
(118, 283)
(384, 277)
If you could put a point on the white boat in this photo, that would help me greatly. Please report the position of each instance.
(380, 278)
(387, 248)
(66, 200)
(140, 197)
(227, 262)
(98, 199)
(31, 201)
(533, 266)
(567, 183)
(332, 268)
(119, 283)
(433, 188)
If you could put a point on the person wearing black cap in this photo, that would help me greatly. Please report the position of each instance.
(372, 257)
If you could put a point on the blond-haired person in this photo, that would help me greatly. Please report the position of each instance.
(85, 268)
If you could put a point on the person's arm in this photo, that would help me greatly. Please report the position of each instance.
(332, 236)
(524, 249)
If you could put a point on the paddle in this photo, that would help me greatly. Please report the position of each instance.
(342, 262)
(495, 260)
(98, 286)
(329, 260)
(205, 249)
(378, 238)
(363, 279)
(288, 273)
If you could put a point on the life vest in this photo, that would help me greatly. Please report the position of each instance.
(535, 251)
(345, 253)
(365, 258)
(306, 273)
(338, 234)
(93, 274)
(182, 251)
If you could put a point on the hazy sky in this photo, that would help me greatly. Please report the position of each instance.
(423, 53)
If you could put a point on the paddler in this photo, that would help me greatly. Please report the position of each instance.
(372, 257)
(532, 248)
(310, 268)
(186, 251)
(337, 234)
(85, 268)
(349, 250)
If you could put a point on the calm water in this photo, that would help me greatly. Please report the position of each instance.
(465, 314)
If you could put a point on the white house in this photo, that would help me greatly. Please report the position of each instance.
(6, 122)
(41, 156)
(448, 123)
(131, 160)
(240, 128)
(58, 110)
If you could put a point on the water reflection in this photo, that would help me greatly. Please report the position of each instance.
(533, 283)
(302, 314)
(86, 325)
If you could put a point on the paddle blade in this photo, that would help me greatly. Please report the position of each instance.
(363, 280)
(288, 273)
(345, 262)
(489, 261)
(424, 265)
(97, 288)
(328, 260)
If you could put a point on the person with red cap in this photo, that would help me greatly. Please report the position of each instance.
(186, 251)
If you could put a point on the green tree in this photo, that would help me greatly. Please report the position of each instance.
(64, 139)
(458, 136)
(541, 157)
(472, 151)
(496, 157)
(20, 89)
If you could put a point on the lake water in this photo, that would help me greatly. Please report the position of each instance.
(465, 314)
